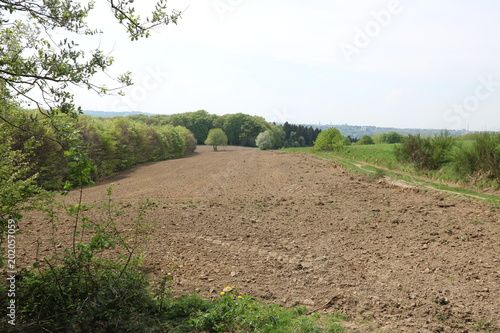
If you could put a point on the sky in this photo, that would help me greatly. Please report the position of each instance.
(394, 63)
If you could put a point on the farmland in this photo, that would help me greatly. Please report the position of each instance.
(299, 229)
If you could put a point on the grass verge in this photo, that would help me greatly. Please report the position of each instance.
(387, 167)
(234, 312)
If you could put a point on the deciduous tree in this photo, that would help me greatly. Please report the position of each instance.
(331, 139)
(216, 137)
(40, 60)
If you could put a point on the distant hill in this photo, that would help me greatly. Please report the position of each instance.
(109, 114)
(359, 131)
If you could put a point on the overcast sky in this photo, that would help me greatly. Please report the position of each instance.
(407, 63)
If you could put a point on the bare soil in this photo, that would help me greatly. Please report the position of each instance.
(298, 230)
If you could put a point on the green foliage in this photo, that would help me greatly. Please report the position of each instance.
(330, 139)
(189, 140)
(39, 52)
(264, 140)
(391, 137)
(80, 170)
(111, 144)
(299, 135)
(366, 140)
(234, 312)
(40, 143)
(278, 136)
(216, 137)
(83, 289)
(250, 129)
(480, 159)
(241, 129)
(199, 123)
(425, 153)
(17, 187)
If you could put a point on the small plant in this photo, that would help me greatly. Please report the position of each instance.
(482, 326)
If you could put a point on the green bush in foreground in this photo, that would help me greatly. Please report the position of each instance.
(82, 288)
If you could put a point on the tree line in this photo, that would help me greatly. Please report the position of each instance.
(113, 144)
(241, 129)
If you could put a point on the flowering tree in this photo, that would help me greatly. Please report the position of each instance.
(264, 140)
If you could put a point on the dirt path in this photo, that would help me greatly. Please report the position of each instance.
(296, 229)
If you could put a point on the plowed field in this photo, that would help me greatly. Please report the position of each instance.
(295, 229)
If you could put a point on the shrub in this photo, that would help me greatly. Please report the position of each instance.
(330, 139)
(425, 153)
(81, 288)
(481, 159)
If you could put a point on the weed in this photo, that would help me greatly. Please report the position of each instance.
(482, 326)
(442, 317)
(234, 312)
(476, 222)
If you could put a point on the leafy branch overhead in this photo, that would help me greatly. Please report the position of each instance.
(38, 66)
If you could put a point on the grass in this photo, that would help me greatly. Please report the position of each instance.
(234, 312)
(376, 161)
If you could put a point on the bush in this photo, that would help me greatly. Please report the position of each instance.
(81, 288)
(481, 159)
(330, 139)
(425, 153)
